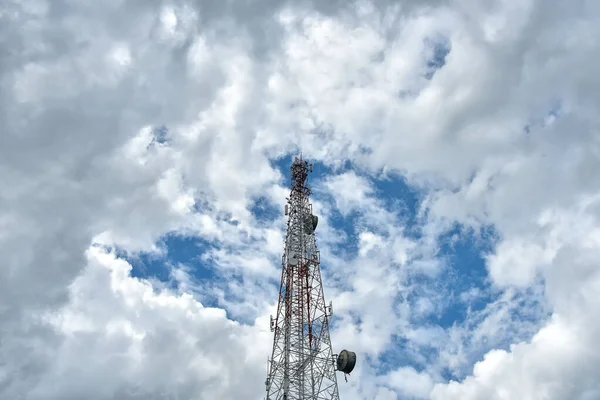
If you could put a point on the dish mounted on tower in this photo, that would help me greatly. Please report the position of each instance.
(302, 364)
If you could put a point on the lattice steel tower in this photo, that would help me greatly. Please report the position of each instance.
(302, 364)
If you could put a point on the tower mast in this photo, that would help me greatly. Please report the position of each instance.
(302, 364)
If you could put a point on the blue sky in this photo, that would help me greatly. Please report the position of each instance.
(461, 252)
(439, 47)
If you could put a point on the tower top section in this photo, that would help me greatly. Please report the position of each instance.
(300, 170)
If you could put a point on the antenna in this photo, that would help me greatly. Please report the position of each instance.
(302, 364)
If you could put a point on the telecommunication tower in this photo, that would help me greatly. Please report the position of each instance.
(303, 365)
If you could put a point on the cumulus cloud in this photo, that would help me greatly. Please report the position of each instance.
(123, 122)
(141, 343)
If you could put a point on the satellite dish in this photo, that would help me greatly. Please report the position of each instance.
(346, 361)
(310, 224)
(292, 258)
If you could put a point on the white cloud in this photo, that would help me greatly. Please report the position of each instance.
(410, 383)
(83, 86)
(551, 364)
(140, 343)
(516, 263)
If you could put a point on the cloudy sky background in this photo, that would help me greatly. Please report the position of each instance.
(144, 164)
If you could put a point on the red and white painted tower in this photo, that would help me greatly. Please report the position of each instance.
(303, 365)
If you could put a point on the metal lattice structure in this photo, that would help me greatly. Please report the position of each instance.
(302, 365)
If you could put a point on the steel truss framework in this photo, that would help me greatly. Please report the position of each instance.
(302, 365)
